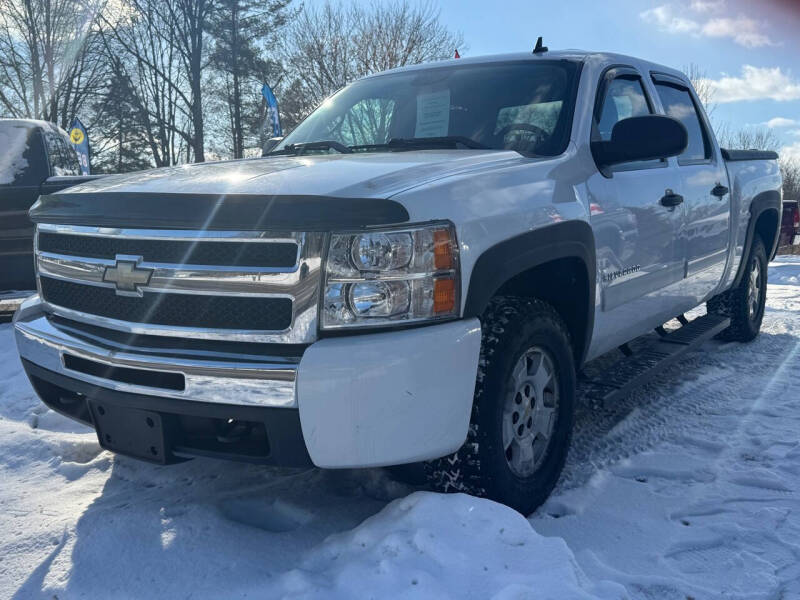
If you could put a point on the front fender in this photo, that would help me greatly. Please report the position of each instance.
(509, 258)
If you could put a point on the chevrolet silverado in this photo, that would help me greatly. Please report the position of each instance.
(417, 273)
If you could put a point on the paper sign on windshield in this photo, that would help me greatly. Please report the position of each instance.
(433, 114)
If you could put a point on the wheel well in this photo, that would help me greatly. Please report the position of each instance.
(564, 284)
(767, 229)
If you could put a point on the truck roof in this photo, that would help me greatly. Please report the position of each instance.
(574, 55)
(28, 123)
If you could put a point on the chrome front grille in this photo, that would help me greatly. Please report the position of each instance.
(176, 310)
(276, 254)
(232, 285)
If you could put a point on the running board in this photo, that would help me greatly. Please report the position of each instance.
(632, 372)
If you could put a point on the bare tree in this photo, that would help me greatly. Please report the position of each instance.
(166, 39)
(189, 21)
(330, 45)
(748, 138)
(763, 138)
(790, 170)
(702, 86)
(49, 64)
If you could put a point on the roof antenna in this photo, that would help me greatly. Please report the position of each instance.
(539, 48)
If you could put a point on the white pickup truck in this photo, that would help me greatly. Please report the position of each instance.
(415, 274)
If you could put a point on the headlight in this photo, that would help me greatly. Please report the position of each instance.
(390, 277)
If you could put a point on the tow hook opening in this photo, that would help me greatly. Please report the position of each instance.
(232, 431)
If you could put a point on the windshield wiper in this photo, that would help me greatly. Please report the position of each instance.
(448, 141)
(301, 147)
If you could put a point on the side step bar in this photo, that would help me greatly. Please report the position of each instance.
(632, 372)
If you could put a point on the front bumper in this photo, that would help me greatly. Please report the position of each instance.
(356, 401)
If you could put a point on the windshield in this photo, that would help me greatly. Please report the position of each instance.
(524, 106)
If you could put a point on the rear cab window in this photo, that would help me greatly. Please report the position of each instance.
(63, 158)
(679, 104)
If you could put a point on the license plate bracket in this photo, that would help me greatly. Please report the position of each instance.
(130, 431)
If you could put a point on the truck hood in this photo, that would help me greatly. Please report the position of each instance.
(296, 193)
(373, 175)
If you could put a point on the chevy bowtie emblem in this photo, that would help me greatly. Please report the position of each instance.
(127, 276)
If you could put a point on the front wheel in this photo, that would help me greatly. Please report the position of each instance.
(745, 304)
(522, 413)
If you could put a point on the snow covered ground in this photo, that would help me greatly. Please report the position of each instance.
(688, 489)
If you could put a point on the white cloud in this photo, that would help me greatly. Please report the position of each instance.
(743, 30)
(755, 83)
(782, 122)
(791, 152)
(707, 6)
(666, 19)
(795, 132)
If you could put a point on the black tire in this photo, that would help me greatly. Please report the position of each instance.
(511, 327)
(736, 302)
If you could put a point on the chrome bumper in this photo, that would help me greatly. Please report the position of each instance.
(244, 381)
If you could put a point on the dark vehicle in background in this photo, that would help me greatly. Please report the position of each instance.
(36, 157)
(790, 224)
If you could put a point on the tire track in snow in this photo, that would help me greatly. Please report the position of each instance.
(693, 487)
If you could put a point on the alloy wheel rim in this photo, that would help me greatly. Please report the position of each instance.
(530, 411)
(754, 289)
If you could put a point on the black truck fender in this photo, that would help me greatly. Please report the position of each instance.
(761, 204)
(511, 258)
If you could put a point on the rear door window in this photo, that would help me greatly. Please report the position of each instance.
(679, 104)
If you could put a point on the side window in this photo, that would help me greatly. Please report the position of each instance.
(679, 104)
(624, 98)
(63, 158)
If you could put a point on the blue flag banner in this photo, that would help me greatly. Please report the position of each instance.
(80, 141)
(272, 111)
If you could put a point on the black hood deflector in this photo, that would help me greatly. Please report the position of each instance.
(243, 212)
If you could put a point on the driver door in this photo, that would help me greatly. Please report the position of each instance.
(639, 256)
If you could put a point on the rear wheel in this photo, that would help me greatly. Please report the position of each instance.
(522, 412)
(745, 303)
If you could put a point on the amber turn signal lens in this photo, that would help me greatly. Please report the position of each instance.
(442, 250)
(444, 296)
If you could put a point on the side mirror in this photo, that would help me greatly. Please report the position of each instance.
(270, 144)
(651, 137)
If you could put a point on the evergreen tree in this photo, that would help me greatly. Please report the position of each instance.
(119, 141)
(242, 32)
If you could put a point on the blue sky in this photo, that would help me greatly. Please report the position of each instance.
(749, 49)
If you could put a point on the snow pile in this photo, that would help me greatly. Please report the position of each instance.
(786, 272)
(13, 143)
(689, 488)
(432, 546)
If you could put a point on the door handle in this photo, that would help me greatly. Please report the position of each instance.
(719, 191)
(671, 199)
